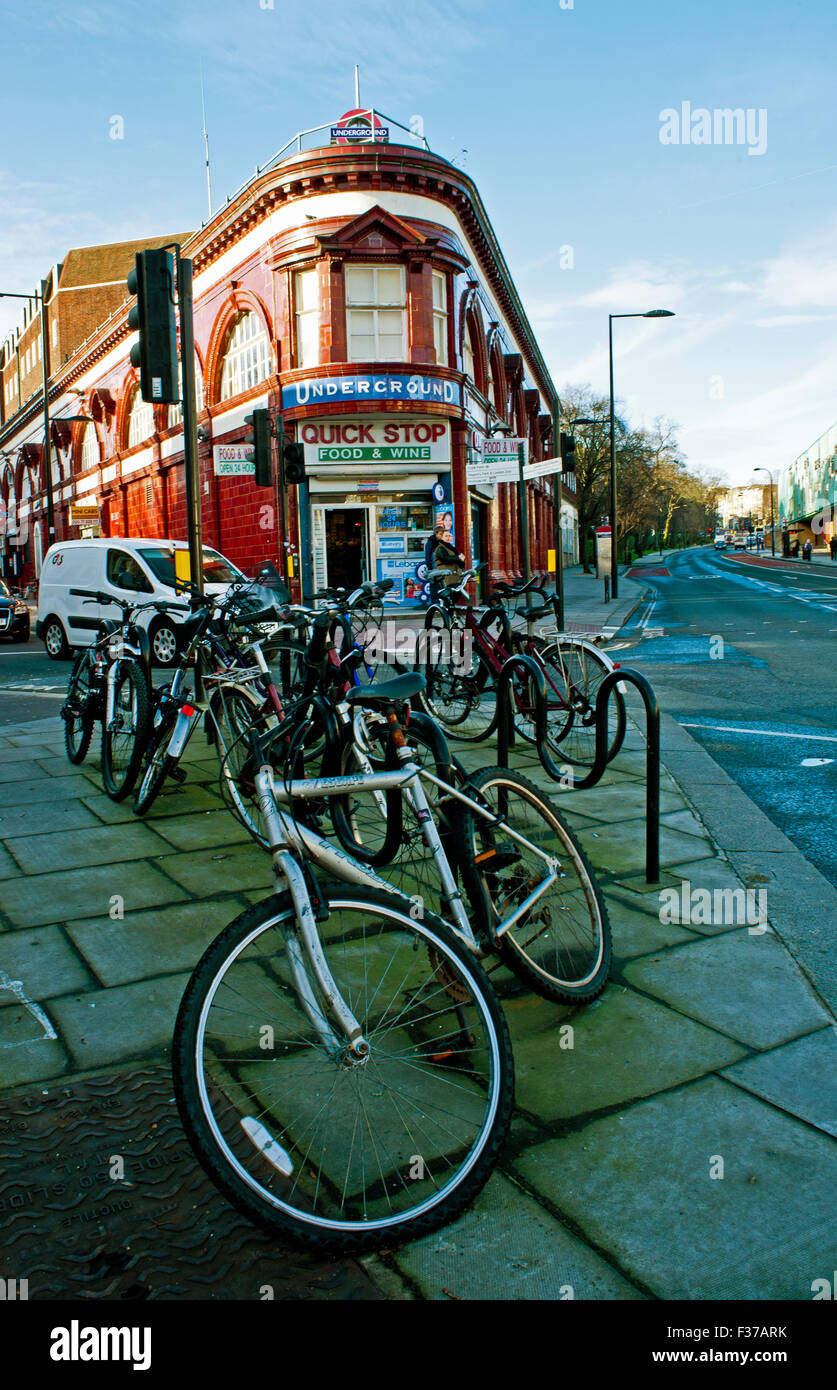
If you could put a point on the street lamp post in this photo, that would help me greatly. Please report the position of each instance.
(772, 521)
(614, 567)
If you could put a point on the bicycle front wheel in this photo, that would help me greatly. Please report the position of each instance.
(234, 713)
(460, 692)
(297, 1134)
(124, 740)
(78, 711)
(560, 947)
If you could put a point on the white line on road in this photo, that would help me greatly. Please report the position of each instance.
(762, 733)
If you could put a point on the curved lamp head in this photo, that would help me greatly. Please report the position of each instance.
(659, 314)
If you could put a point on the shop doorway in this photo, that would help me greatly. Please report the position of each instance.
(346, 547)
(479, 551)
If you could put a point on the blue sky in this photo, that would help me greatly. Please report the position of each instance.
(553, 110)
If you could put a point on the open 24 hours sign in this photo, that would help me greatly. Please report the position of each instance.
(375, 440)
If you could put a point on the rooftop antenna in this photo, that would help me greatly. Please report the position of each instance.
(357, 89)
(206, 148)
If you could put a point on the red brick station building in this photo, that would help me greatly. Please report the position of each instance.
(360, 289)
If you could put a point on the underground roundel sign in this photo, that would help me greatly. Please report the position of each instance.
(357, 126)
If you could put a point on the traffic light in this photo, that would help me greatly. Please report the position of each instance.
(293, 459)
(567, 451)
(153, 317)
(259, 437)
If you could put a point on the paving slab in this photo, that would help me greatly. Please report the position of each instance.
(33, 901)
(27, 1053)
(45, 816)
(37, 790)
(112, 1025)
(744, 985)
(638, 1184)
(44, 963)
(188, 799)
(625, 802)
(635, 925)
(203, 829)
(156, 942)
(624, 1046)
(620, 849)
(709, 873)
(801, 1077)
(9, 867)
(685, 821)
(75, 849)
(226, 869)
(20, 755)
(507, 1246)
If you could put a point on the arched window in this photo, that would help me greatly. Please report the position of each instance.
(247, 356)
(176, 411)
(140, 420)
(90, 455)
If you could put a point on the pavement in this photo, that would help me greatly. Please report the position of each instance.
(676, 1139)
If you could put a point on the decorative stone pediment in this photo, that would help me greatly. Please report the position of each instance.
(376, 233)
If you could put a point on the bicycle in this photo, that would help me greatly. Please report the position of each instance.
(342, 1067)
(462, 659)
(231, 707)
(110, 682)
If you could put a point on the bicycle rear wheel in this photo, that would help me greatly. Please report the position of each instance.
(124, 741)
(561, 946)
(581, 667)
(306, 1142)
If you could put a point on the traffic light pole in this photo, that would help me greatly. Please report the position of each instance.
(281, 495)
(190, 420)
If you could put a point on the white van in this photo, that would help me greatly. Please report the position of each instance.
(66, 621)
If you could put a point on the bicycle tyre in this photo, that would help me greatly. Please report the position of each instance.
(248, 1111)
(78, 727)
(584, 668)
(560, 949)
(559, 714)
(158, 767)
(237, 711)
(120, 769)
(459, 694)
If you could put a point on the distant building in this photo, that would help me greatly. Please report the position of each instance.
(739, 508)
(808, 491)
(359, 288)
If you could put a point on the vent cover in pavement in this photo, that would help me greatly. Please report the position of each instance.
(162, 1232)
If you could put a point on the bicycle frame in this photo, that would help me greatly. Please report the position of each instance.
(285, 835)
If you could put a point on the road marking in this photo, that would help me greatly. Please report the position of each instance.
(763, 733)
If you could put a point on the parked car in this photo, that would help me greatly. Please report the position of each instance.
(118, 566)
(14, 615)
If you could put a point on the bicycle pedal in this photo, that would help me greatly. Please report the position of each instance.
(178, 774)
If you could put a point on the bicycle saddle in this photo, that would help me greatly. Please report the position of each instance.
(386, 692)
(536, 612)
